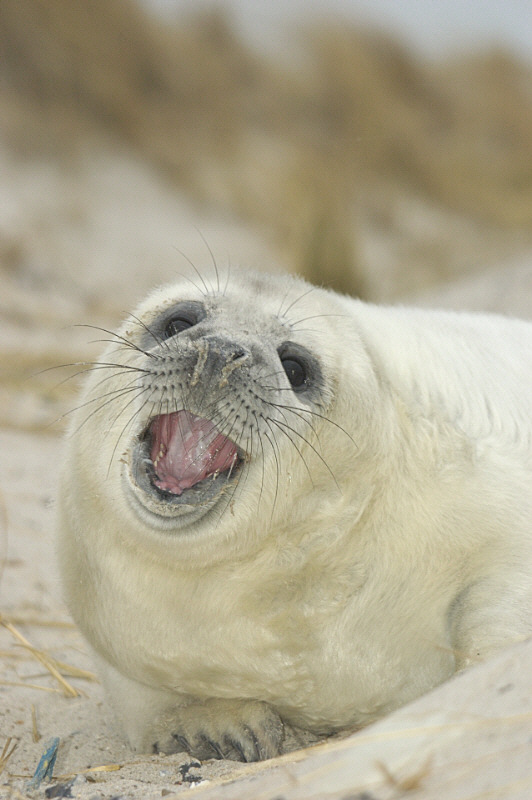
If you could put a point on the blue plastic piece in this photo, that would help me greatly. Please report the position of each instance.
(45, 767)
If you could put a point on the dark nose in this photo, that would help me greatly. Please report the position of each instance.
(225, 349)
(217, 359)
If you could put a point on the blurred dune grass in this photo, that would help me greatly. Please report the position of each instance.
(302, 146)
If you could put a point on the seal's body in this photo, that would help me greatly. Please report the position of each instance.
(285, 508)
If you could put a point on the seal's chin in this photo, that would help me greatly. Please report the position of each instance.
(181, 465)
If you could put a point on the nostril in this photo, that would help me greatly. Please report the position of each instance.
(238, 354)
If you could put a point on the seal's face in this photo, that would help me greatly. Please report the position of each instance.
(211, 385)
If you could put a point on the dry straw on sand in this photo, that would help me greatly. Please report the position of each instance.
(57, 669)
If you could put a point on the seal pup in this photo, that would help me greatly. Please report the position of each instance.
(284, 509)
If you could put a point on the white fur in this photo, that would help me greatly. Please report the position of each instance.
(331, 599)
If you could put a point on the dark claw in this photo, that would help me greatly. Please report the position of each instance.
(215, 747)
(259, 756)
(182, 742)
(237, 747)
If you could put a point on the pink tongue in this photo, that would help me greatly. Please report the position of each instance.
(186, 449)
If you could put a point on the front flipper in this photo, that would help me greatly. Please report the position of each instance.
(239, 730)
(161, 721)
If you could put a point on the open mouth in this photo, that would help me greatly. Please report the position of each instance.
(183, 459)
(185, 450)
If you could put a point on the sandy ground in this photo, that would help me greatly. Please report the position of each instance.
(56, 256)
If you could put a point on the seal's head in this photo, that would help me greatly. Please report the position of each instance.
(214, 377)
(212, 404)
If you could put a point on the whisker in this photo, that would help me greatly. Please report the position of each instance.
(129, 422)
(116, 395)
(273, 445)
(91, 365)
(114, 375)
(251, 451)
(296, 448)
(309, 444)
(205, 291)
(158, 340)
(313, 414)
(117, 336)
(215, 265)
(315, 316)
(296, 300)
(299, 415)
(226, 286)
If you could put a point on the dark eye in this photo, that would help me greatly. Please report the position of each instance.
(182, 317)
(295, 371)
(178, 324)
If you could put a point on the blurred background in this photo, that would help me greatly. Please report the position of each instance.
(380, 148)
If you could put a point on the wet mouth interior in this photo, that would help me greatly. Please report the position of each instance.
(185, 449)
